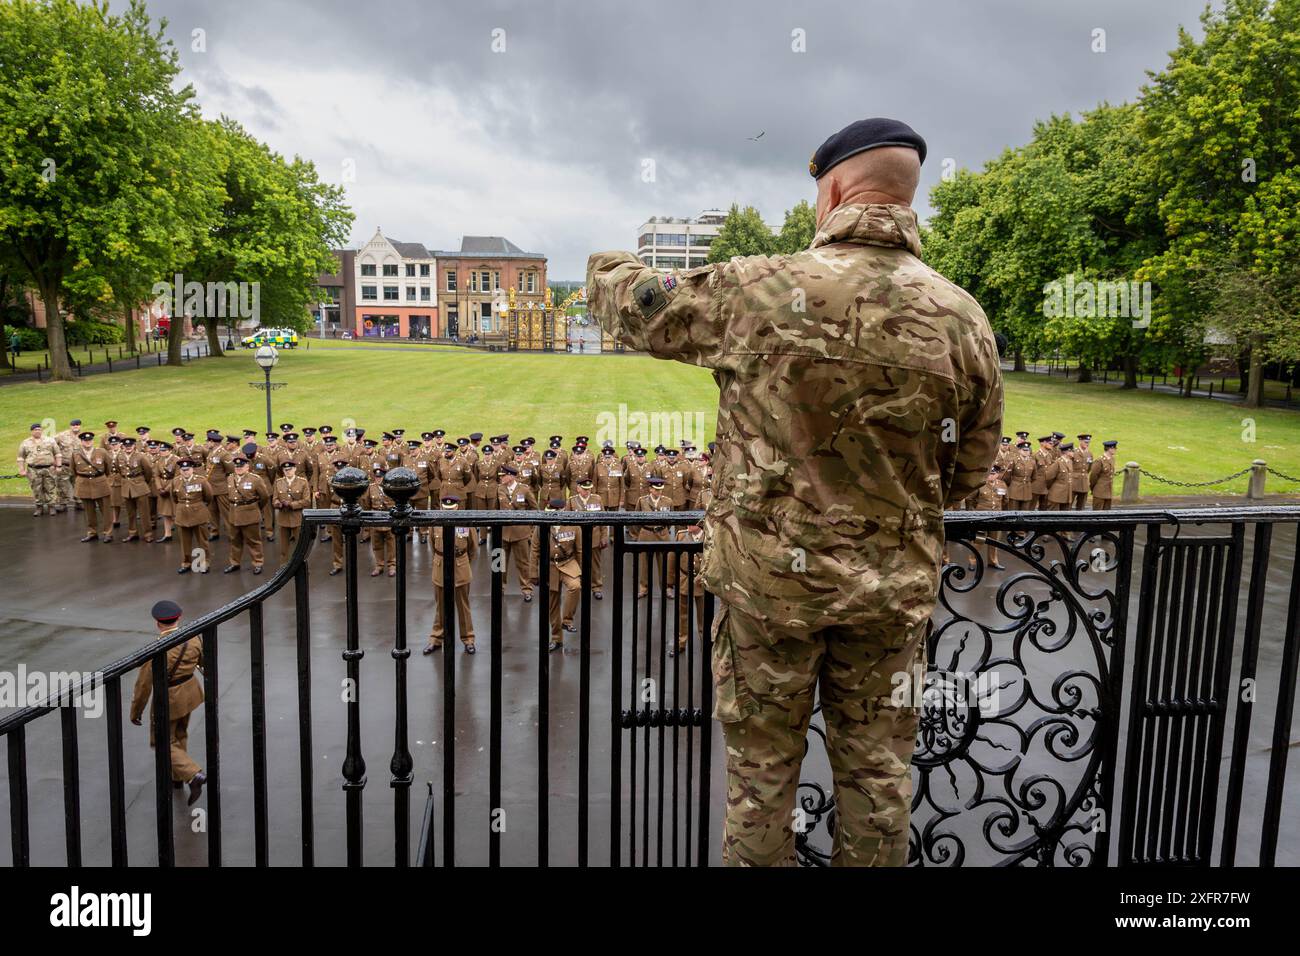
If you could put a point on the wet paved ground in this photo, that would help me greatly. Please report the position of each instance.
(66, 605)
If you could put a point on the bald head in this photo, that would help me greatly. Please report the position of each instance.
(887, 174)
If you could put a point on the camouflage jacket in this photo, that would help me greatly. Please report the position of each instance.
(860, 393)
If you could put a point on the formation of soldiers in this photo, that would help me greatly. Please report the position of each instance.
(253, 491)
(1059, 476)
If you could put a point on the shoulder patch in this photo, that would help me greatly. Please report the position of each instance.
(649, 297)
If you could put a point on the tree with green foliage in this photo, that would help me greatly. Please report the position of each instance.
(743, 233)
(798, 229)
(92, 123)
(275, 226)
(1222, 135)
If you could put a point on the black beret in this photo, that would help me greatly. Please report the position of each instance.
(861, 136)
(166, 611)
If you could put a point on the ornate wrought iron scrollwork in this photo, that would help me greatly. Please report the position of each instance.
(1009, 756)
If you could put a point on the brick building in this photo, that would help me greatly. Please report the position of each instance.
(473, 283)
(395, 290)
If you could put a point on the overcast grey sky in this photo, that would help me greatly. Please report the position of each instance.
(545, 141)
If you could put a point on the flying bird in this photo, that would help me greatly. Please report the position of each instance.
(754, 139)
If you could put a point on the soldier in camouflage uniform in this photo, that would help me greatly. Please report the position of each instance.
(39, 458)
(844, 371)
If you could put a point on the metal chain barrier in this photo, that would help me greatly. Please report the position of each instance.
(1194, 484)
(1280, 474)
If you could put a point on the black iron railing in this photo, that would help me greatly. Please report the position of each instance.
(1026, 771)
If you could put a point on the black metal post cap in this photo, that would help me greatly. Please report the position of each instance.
(349, 484)
(401, 484)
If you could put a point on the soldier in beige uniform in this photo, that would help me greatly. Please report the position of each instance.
(219, 471)
(991, 496)
(336, 542)
(67, 442)
(39, 458)
(192, 497)
(184, 694)
(264, 462)
(635, 472)
(469, 460)
(1060, 478)
(609, 478)
(485, 496)
(654, 500)
(452, 478)
(164, 470)
(514, 495)
(110, 431)
(116, 463)
(1020, 479)
(1043, 459)
(692, 533)
(137, 492)
(466, 550)
(291, 494)
(1080, 470)
(248, 496)
(555, 479)
(383, 545)
(830, 442)
(1101, 477)
(90, 467)
(587, 500)
(565, 543)
(581, 463)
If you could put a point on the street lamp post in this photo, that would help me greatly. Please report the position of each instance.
(267, 357)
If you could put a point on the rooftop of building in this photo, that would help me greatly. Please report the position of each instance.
(488, 247)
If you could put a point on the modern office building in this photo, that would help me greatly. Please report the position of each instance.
(666, 242)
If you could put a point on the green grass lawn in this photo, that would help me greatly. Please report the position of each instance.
(28, 361)
(425, 387)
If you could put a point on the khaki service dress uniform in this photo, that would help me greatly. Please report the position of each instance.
(184, 694)
(191, 498)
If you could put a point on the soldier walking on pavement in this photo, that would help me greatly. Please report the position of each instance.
(39, 459)
(829, 446)
(184, 694)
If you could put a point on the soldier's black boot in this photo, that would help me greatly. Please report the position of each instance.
(196, 787)
(555, 646)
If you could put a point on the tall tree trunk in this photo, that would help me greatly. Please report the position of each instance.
(174, 337)
(1244, 362)
(1019, 361)
(1130, 371)
(1255, 387)
(214, 337)
(4, 302)
(1085, 371)
(128, 314)
(60, 367)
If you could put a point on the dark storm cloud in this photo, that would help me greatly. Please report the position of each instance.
(594, 89)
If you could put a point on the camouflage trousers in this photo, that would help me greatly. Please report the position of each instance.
(41, 479)
(765, 678)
